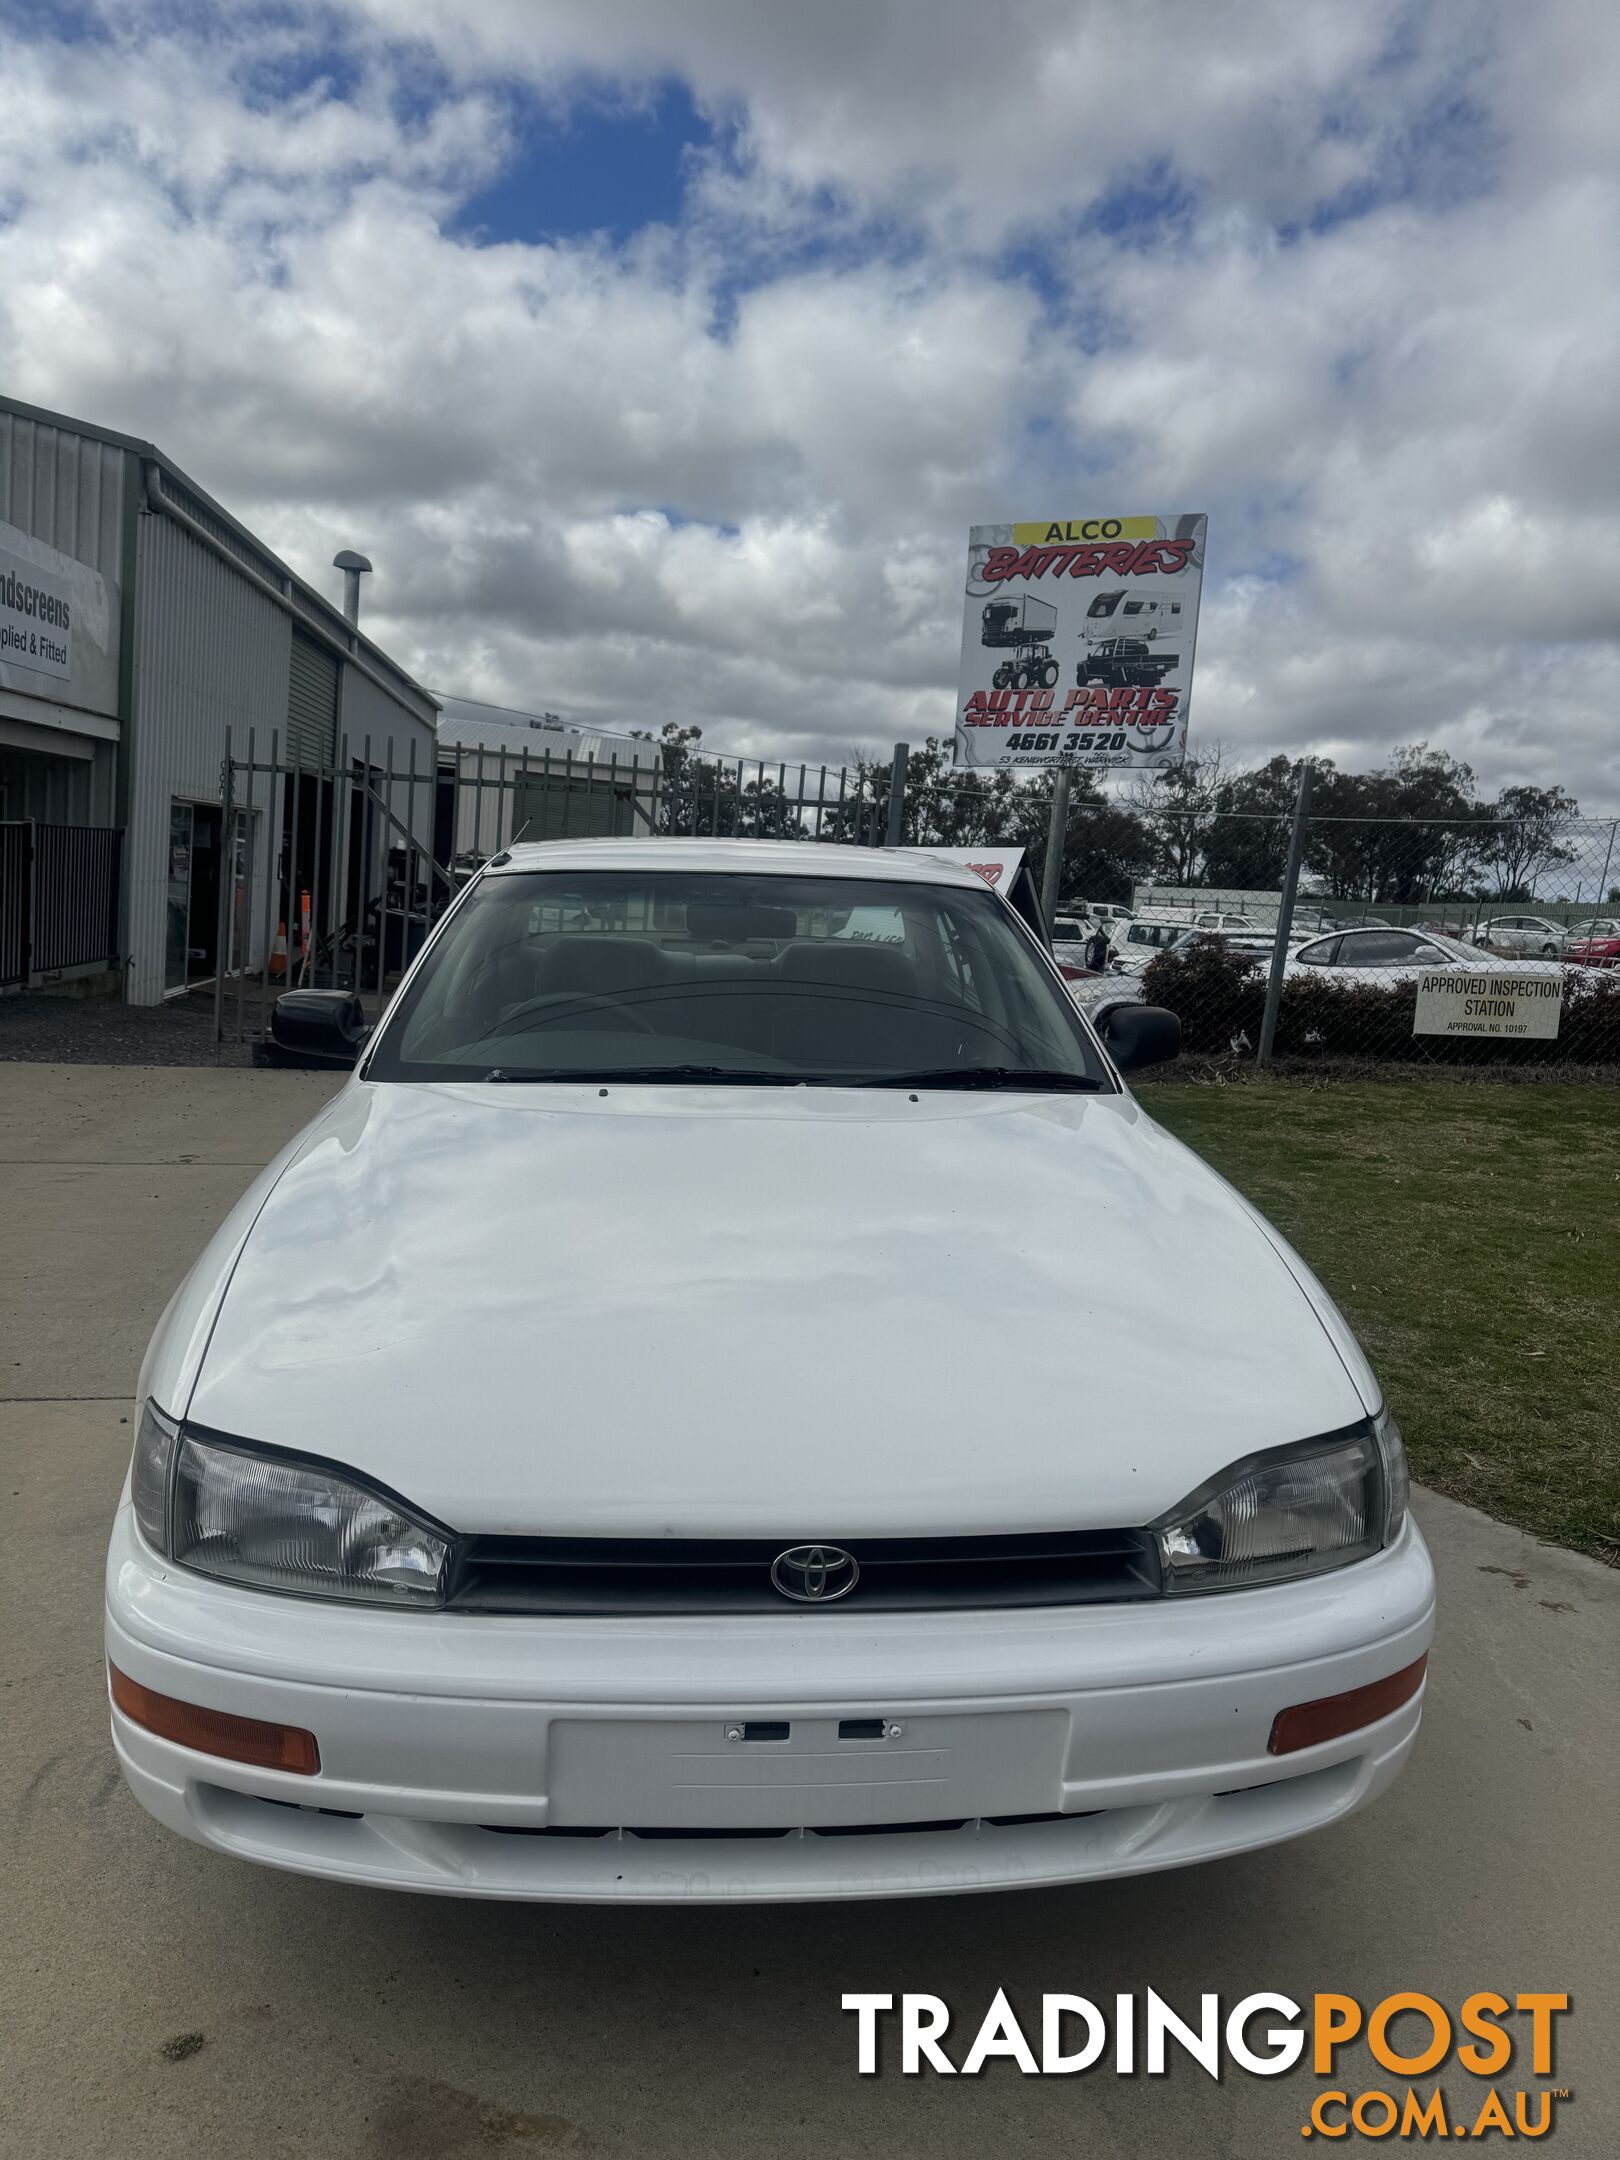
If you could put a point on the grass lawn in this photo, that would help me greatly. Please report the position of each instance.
(1471, 1236)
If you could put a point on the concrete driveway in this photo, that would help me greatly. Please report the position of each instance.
(158, 2000)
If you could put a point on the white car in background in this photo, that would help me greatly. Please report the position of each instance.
(548, 1482)
(1137, 944)
(1398, 956)
(1523, 934)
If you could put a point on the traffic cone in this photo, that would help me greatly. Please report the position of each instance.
(278, 952)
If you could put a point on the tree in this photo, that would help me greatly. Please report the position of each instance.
(1106, 847)
(1173, 802)
(1526, 837)
(698, 794)
(1246, 842)
(1406, 834)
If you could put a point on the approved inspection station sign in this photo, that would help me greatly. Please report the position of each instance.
(1452, 1001)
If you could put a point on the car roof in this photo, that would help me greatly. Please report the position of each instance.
(757, 858)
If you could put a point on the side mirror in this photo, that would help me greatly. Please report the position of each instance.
(317, 1030)
(1138, 1035)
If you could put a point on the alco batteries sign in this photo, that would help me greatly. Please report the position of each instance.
(1077, 642)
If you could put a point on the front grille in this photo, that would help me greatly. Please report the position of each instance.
(824, 1830)
(637, 1576)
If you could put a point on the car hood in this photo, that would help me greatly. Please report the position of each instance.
(683, 1311)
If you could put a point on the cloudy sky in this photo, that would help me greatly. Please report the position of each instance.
(659, 352)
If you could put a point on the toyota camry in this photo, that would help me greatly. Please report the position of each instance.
(641, 1440)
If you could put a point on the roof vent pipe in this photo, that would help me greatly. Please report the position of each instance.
(354, 567)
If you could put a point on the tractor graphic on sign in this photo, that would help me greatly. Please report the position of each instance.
(1023, 629)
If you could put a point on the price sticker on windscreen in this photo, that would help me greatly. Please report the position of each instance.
(1451, 1002)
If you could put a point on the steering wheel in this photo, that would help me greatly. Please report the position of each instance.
(574, 997)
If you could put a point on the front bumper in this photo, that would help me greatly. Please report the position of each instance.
(1045, 1746)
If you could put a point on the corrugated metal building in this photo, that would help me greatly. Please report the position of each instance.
(531, 774)
(141, 628)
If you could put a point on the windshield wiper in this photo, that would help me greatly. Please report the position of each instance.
(1034, 1080)
(634, 1075)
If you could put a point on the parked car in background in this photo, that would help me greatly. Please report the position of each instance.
(1098, 996)
(1138, 943)
(547, 1484)
(1523, 934)
(1394, 956)
(1595, 943)
(1107, 911)
(1224, 919)
(1070, 957)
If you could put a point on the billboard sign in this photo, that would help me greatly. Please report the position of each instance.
(1077, 642)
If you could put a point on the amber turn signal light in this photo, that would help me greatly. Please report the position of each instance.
(1330, 1717)
(216, 1732)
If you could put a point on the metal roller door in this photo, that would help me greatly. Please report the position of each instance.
(312, 700)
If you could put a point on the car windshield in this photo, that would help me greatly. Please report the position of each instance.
(1453, 948)
(651, 975)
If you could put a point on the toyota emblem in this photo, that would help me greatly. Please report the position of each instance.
(815, 1574)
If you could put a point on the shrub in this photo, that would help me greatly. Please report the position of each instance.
(1220, 995)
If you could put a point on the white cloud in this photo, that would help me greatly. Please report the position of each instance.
(722, 471)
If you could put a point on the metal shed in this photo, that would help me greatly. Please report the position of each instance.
(150, 629)
(530, 773)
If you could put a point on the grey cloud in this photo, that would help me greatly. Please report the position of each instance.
(612, 483)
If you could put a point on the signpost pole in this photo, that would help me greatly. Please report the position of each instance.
(897, 793)
(1285, 915)
(1056, 833)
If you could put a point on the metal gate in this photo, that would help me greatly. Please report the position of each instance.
(362, 854)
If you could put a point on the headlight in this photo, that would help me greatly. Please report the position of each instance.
(1293, 1511)
(278, 1524)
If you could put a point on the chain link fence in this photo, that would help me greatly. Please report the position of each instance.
(1406, 941)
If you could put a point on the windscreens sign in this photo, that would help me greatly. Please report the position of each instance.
(1077, 642)
(36, 617)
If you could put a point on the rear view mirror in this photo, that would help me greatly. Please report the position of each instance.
(1139, 1035)
(318, 1030)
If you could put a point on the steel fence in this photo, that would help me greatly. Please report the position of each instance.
(16, 857)
(58, 898)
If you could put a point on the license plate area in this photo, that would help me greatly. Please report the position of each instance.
(687, 1774)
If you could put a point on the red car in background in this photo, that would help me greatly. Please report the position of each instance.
(1072, 962)
(1598, 944)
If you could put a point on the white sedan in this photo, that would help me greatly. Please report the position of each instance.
(1401, 956)
(627, 1446)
